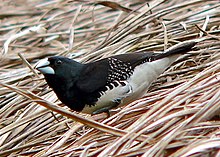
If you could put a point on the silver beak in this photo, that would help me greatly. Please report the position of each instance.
(44, 67)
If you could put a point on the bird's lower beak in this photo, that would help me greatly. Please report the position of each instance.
(44, 67)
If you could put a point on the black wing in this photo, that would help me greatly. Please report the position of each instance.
(93, 76)
(99, 74)
(135, 59)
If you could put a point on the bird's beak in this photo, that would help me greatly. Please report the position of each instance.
(44, 67)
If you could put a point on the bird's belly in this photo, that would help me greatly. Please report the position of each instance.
(135, 95)
(144, 75)
(109, 99)
(99, 105)
(148, 72)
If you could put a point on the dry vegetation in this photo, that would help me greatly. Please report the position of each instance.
(179, 116)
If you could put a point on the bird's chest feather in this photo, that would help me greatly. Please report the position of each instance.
(67, 92)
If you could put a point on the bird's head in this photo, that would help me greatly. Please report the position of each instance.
(59, 67)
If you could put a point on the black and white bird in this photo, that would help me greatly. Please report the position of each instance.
(111, 82)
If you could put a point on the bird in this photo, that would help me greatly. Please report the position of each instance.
(107, 83)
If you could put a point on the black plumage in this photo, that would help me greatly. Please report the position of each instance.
(86, 87)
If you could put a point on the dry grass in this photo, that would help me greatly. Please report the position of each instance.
(179, 116)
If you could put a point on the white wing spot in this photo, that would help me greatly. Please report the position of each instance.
(118, 70)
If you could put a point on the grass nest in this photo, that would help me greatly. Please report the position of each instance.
(178, 116)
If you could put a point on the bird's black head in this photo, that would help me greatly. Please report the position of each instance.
(59, 69)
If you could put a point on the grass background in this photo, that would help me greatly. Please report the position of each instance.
(178, 116)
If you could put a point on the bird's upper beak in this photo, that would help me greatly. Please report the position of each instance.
(44, 67)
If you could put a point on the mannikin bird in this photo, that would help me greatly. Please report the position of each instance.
(111, 82)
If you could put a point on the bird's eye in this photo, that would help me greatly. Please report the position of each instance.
(58, 62)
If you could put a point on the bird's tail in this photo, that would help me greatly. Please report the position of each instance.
(180, 48)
